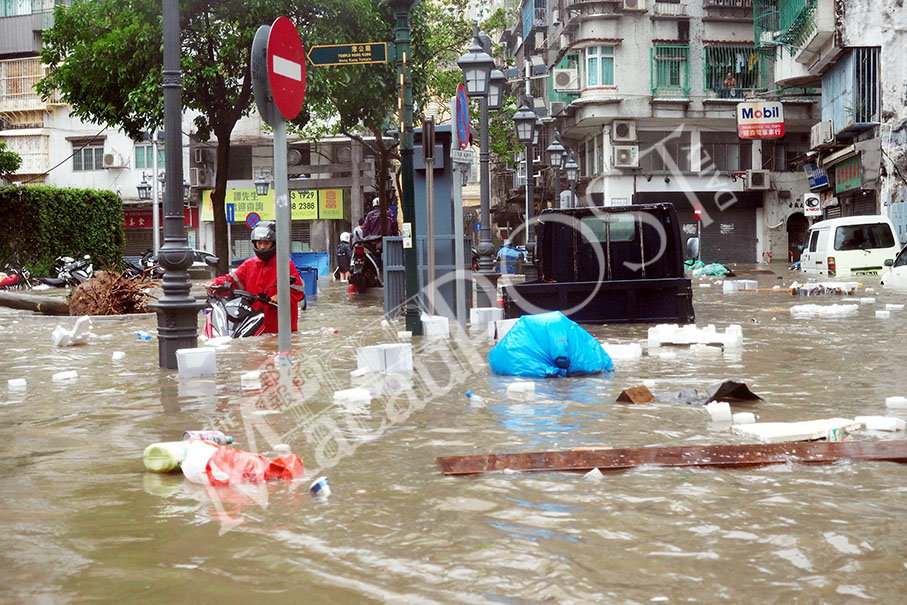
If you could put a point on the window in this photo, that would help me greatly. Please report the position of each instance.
(608, 228)
(87, 158)
(144, 157)
(725, 151)
(778, 153)
(863, 237)
(729, 70)
(670, 74)
(814, 241)
(600, 66)
(664, 151)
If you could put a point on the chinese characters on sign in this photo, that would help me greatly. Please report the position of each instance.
(760, 120)
(325, 204)
(848, 175)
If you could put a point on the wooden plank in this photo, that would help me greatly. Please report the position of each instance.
(30, 302)
(639, 394)
(721, 456)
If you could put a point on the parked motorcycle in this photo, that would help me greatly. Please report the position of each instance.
(230, 313)
(147, 264)
(366, 267)
(70, 272)
(15, 279)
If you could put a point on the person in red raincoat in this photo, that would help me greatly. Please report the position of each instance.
(258, 275)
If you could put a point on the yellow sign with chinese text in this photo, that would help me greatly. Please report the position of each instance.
(304, 204)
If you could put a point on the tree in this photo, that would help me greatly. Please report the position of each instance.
(9, 161)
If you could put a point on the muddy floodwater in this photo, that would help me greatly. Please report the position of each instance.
(80, 520)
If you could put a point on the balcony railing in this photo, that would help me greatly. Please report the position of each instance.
(727, 3)
(670, 72)
(766, 21)
(729, 72)
(669, 9)
(796, 23)
(18, 78)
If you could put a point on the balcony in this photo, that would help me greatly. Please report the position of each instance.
(18, 78)
(730, 73)
(728, 10)
(581, 10)
(669, 9)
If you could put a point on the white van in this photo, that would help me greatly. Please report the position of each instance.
(852, 245)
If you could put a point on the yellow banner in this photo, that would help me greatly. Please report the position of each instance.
(304, 205)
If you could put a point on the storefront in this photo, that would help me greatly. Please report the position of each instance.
(138, 225)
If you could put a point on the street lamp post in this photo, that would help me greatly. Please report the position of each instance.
(571, 168)
(177, 311)
(555, 153)
(526, 122)
(408, 193)
(477, 66)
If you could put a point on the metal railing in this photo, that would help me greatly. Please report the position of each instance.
(18, 78)
(727, 3)
(669, 9)
(16, 9)
(670, 71)
(796, 23)
(728, 72)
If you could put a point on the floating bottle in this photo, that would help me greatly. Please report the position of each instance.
(213, 436)
(165, 456)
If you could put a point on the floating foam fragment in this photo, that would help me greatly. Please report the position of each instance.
(79, 334)
(480, 316)
(720, 411)
(404, 335)
(352, 395)
(623, 352)
(250, 380)
(896, 403)
(689, 335)
(521, 389)
(781, 432)
(593, 475)
(881, 423)
(65, 375)
(867, 300)
(835, 310)
(743, 418)
(17, 383)
(391, 357)
(883, 314)
(894, 307)
(119, 355)
(705, 285)
(360, 372)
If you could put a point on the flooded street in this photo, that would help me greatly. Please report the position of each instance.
(81, 520)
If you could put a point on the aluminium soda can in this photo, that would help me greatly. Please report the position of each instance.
(213, 436)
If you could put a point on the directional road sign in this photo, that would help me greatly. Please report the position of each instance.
(348, 54)
(231, 212)
(286, 67)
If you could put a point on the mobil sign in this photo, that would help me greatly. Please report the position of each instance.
(760, 120)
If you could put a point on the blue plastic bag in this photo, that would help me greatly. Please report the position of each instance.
(548, 344)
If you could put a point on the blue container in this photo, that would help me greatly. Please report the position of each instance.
(309, 277)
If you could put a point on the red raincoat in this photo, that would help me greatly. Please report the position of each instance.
(257, 276)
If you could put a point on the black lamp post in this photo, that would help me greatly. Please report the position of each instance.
(177, 311)
(555, 152)
(526, 129)
(571, 168)
(477, 66)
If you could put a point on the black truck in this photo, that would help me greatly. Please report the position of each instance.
(616, 264)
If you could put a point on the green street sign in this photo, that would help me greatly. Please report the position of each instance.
(348, 54)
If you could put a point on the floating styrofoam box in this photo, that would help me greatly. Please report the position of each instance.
(498, 328)
(593, 475)
(720, 411)
(867, 300)
(893, 307)
(251, 380)
(625, 352)
(479, 316)
(404, 335)
(119, 355)
(521, 389)
(883, 314)
(435, 326)
(690, 334)
(743, 418)
(78, 335)
(881, 423)
(65, 375)
(870, 290)
(747, 284)
(730, 286)
(392, 357)
(17, 383)
(896, 403)
(705, 285)
(196, 363)
(780, 432)
(801, 311)
(352, 395)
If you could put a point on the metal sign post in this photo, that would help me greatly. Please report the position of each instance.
(428, 152)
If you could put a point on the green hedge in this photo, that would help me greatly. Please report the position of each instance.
(38, 224)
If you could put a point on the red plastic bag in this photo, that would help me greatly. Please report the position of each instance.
(213, 464)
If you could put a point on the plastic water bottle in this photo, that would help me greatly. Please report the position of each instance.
(166, 456)
(213, 436)
(475, 400)
(143, 335)
(328, 331)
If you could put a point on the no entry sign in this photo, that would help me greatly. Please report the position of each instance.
(286, 67)
(462, 116)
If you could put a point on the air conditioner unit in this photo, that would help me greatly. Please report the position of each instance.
(626, 156)
(634, 5)
(623, 131)
(199, 177)
(566, 80)
(557, 107)
(820, 134)
(113, 160)
(757, 180)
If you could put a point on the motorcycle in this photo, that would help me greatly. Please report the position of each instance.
(70, 272)
(147, 264)
(230, 313)
(366, 266)
(15, 279)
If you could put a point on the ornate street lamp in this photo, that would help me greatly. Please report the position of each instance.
(144, 189)
(571, 169)
(262, 183)
(526, 122)
(555, 152)
(496, 90)
(476, 66)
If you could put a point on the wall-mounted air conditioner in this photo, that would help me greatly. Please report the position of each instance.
(626, 156)
(113, 160)
(623, 131)
(566, 80)
(820, 134)
(557, 107)
(199, 177)
(757, 180)
(634, 5)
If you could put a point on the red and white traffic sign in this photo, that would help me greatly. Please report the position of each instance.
(286, 67)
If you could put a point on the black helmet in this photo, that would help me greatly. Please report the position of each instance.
(265, 231)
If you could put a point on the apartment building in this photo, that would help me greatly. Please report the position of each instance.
(645, 93)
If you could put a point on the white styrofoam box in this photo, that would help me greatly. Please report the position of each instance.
(835, 310)
(870, 290)
(720, 411)
(498, 328)
(894, 307)
(250, 380)
(705, 285)
(690, 334)
(119, 355)
(479, 316)
(17, 383)
(625, 352)
(730, 286)
(780, 432)
(881, 423)
(867, 300)
(896, 403)
(747, 284)
(883, 314)
(404, 335)
(65, 375)
(196, 363)
(391, 357)
(593, 475)
(743, 418)
(522, 389)
(435, 326)
(352, 395)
